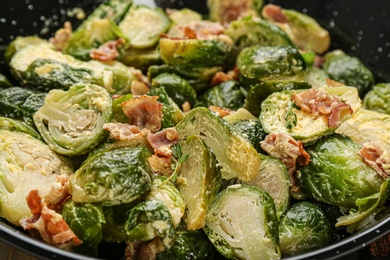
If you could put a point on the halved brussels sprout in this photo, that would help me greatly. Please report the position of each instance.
(113, 177)
(181, 18)
(278, 109)
(194, 52)
(85, 220)
(241, 222)
(367, 126)
(150, 219)
(378, 98)
(303, 228)
(166, 192)
(258, 90)
(226, 11)
(118, 114)
(250, 31)
(226, 94)
(140, 59)
(198, 181)
(348, 70)
(252, 130)
(20, 103)
(143, 25)
(177, 88)
(18, 126)
(240, 114)
(315, 76)
(71, 122)
(336, 174)
(26, 164)
(259, 62)
(20, 42)
(237, 157)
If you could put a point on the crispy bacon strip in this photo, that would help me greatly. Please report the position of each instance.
(144, 112)
(375, 157)
(274, 13)
(107, 51)
(317, 101)
(162, 141)
(289, 150)
(62, 36)
(50, 224)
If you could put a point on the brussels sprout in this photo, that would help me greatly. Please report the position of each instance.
(150, 219)
(20, 42)
(315, 77)
(225, 11)
(113, 177)
(241, 223)
(252, 130)
(172, 114)
(18, 126)
(140, 59)
(237, 157)
(279, 114)
(113, 10)
(367, 126)
(4, 82)
(194, 52)
(240, 114)
(250, 31)
(42, 68)
(348, 70)
(198, 182)
(226, 94)
(117, 110)
(378, 98)
(189, 244)
(258, 90)
(26, 164)
(177, 88)
(143, 25)
(96, 33)
(166, 192)
(259, 62)
(180, 18)
(198, 77)
(336, 174)
(304, 228)
(20, 103)
(71, 122)
(85, 220)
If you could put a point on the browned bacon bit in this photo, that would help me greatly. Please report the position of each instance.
(274, 13)
(162, 141)
(161, 165)
(58, 192)
(289, 150)
(107, 51)
(221, 111)
(375, 157)
(122, 132)
(333, 83)
(50, 224)
(231, 11)
(62, 36)
(201, 30)
(220, 77)
(144, 112)
(139, 88)
(144, 250)
(317, 101)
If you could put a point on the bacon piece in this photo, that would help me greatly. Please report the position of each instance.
(234, 10)
(289, 150)
(124, 132)
(274, 13)
(58, 192)
(50, 224)
(333, 83)
(186, 106)
(317, 101)
(144, 112)
(161, 165)
(162, 141)
(202, 30)
(221, 111)
(107, 51)
(62, 36)
(220, 77)
(375, 157)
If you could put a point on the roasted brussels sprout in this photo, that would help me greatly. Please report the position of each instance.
(4, 82)
(378, 98)
(348, 70)
(252, 130)
(280, 114)
(18, 126)
(181, 17)
(143, 26)
(226, 11)
(20, 103)
(114, 177)
(260, 62)
(237, 157)
(19, 43)
(85, 220)
(303, 228)
(226, 94)
(336, 174)
(198, 181)
(71, 122)
(189, 244)
(141, 59)
(241, 222)
(26, 164)
(150, 219)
